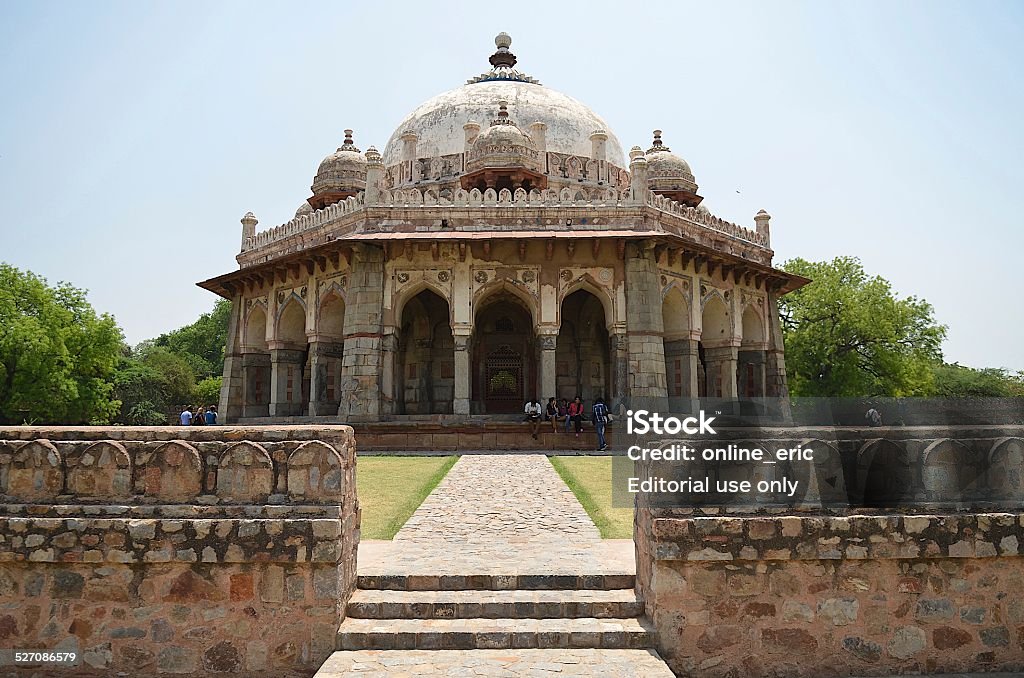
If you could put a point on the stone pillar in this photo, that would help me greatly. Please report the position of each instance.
(775, 363)
(721, 361)
(548, 366)
(231, 401)
(647, 386)
(255, 384)
(325, 364)
(361, 366)
(462, 373)
(286, 367)
(619, 346)
(389, 359)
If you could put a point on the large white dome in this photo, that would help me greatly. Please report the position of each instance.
(438, 123)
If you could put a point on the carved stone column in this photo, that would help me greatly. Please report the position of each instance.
(462, 375)
(548, 365)
(286, 366)
(360, 396)
(619, 346)
(647, 385)
(389, 358)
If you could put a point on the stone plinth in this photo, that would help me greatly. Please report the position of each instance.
(180, 551)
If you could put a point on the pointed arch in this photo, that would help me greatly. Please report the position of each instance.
(716, 323)
(588, 283)
(291, 321)
(752, 327)
(255, 332)
(407, 293)
(330, 317)
(494, 288)
(675, 313)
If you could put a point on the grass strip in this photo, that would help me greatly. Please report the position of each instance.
(590, 479)
(392, 488)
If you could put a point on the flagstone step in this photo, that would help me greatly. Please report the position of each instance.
(511, 663)
(520, 604)
(496, 582)
(480, 633)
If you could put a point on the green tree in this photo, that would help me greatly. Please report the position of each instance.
(208, 390)
(957, 381)
(202, 343)
(848, 334)
(57, 356)
(152, 383)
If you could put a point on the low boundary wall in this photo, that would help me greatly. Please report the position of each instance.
(185, 551)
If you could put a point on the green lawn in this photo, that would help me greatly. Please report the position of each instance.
(392, 488)
(590, 479)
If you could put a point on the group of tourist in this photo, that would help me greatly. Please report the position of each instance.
(570, 414)
(202, 416)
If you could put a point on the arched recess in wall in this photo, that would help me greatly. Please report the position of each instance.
(255, 339)
(291, 323)
(679, 348)
(425, 379)
(583, 349)
(331, 316)
(504, 351)
(716, 332)
(885, 477)
(751, 358)
(587, 283)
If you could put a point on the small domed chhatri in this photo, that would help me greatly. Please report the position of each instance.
(501, 247)
(342, 174)
(503, 156)
(670, 175)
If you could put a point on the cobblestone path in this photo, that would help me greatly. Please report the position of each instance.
(499, 515)
(500, 572)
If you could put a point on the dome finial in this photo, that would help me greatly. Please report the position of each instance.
(503, 58)
(657, 144)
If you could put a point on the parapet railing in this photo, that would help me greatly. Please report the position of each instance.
(505, 199)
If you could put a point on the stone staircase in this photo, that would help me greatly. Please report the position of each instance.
(591, 620)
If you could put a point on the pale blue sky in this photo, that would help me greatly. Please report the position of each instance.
(134, 135)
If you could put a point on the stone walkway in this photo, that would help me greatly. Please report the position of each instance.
(499, 515)
(500, 572)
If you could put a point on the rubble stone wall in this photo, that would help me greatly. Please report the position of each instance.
(930, 585)
(185, 551)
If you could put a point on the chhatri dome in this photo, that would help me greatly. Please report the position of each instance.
(439, 124)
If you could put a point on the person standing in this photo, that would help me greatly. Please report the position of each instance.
(200, 418)
(533, 412)
(576, 414)
(211, 415)
(186, 417)
(600, 416)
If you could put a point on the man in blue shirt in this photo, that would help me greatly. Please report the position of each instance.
(186, 416)
(600, 416)
(211, 415)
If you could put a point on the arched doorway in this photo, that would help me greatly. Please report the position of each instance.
(255, 364)
(715, 338)
(750, 370)
(504, 356)
(290, 367)
(582, 356)
(679, 349)
(425, 379)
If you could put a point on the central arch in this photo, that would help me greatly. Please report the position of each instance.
(504, 350)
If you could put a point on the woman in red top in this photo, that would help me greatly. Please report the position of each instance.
(576, 414)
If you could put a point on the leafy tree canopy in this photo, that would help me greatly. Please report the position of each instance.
(957, 381)
(848, 334)
(201, 343)
(57, 356)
